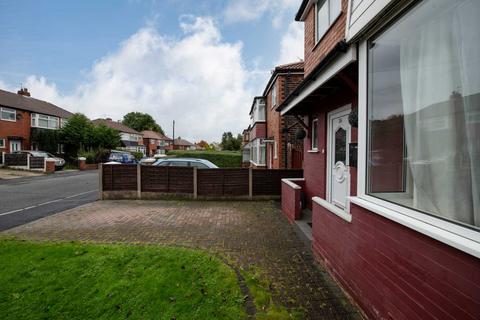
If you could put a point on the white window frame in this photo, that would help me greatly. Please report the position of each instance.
(314, 133)
(35, 123)
(275, 149)
(332, 18)
(255, 153)
(8, 110)
(2, 143)
(450, 233)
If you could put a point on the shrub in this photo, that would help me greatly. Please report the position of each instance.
(89, 155)
(137, 155)
(223, 159)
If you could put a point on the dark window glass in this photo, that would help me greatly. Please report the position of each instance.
(340, 145)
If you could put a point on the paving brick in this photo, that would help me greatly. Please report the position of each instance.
(250, 234)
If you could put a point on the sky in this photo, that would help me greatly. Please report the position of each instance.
(199, 63)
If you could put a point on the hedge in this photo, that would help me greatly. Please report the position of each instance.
(223, 159)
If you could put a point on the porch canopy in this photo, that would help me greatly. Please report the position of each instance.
(335, 73)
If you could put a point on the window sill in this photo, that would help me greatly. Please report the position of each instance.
(333, 209)
(434, 231)
(291, 182)
(257, 164)
(8, 120)
(312, 151)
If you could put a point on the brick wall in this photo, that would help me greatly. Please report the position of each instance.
(257, 131)
(394, 272)
(285, 84)
(291, 197)
(20, 128)
(315, 52)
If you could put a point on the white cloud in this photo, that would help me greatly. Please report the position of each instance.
(198, 80)
(249, 10)
(292, 44)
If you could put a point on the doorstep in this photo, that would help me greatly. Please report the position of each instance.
(303, 227)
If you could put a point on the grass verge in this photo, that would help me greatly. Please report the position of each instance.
(94, 281)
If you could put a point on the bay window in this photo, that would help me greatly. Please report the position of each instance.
(44, 121)
(423, 116)
(326, 12)
(257, 152)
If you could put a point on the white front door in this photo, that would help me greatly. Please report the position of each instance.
(338, 177)
(15, 145)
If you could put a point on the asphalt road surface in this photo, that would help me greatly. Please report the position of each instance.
(26, 199)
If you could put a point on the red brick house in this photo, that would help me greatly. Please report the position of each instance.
(283, 150)
(391, 99)
(21, 115)
(155, 142)
(182, 144)
(131, 139)
(258, 133)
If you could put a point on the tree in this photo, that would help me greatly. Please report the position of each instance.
(105, 137)
(203, 144)
(77, 134)
(229, 142)
(141, 121)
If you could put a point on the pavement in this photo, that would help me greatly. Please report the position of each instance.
(14, 174)
(29, 198)
(252, 235)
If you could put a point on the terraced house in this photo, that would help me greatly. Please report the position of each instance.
(131, 139)
(391, 100)
(24, 119)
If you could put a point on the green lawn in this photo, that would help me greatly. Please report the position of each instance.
(87, 281)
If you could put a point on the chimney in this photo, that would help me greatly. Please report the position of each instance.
(24, 92)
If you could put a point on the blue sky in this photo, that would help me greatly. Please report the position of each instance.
(69, 52)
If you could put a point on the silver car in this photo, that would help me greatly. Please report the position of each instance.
(59, 162)
(185, 162)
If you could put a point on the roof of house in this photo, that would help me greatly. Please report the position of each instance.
(149, 134)
(301, 10)
(18, 101)
(115, 125)
(283, 68)
(182, 142)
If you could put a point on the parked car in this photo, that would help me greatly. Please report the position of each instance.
(117, 157)
(59, 162)
(185, 162)
(147, 160)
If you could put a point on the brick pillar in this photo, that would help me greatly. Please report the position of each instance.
(82, 163)
(49, 166)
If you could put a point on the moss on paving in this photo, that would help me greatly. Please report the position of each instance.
(40, 280)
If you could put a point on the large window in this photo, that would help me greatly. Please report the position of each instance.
(257, 152)
(7, 114)
(314, 137)
(424, 111)
(258, 111)
(43, 121)
(327, 11)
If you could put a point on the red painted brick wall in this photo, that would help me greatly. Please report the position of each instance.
(258, 130)
(151, 147)
(291, 206)
(315, 52)
(394, 272)
(20, 128)
(315, 164)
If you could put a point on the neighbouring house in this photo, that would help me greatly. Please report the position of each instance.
(246, 147)
(258, 133)
(23, 120)
(182, 144)
(283, 149)
(155, 142)
(131, 139)
(391, 100)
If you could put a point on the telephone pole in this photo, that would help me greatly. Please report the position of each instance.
(173, 136)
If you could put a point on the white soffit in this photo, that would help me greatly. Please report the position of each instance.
(340, 62)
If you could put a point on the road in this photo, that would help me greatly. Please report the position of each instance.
(26, 199)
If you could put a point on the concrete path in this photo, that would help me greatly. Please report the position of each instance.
(252, 235)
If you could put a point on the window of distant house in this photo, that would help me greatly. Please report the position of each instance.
(327, 11)
(424, 111)
(314, 137)
(274, 94)
(60, 148)
(43, 121)
(2, 143)
(8, 114)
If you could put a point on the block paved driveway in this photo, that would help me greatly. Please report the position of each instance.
(247, 233)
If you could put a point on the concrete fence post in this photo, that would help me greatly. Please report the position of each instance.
(44, 164)
(100, 180)
(3, 158)
(139, 181)
(250, 183)
(195, 186)
(28, 161)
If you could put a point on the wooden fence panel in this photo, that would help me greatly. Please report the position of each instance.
(222, 182)
(154, 179)
(119, 177)
(269, 182)
(180, 180)
(37, 162)
(235, 182)
(16, 159)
